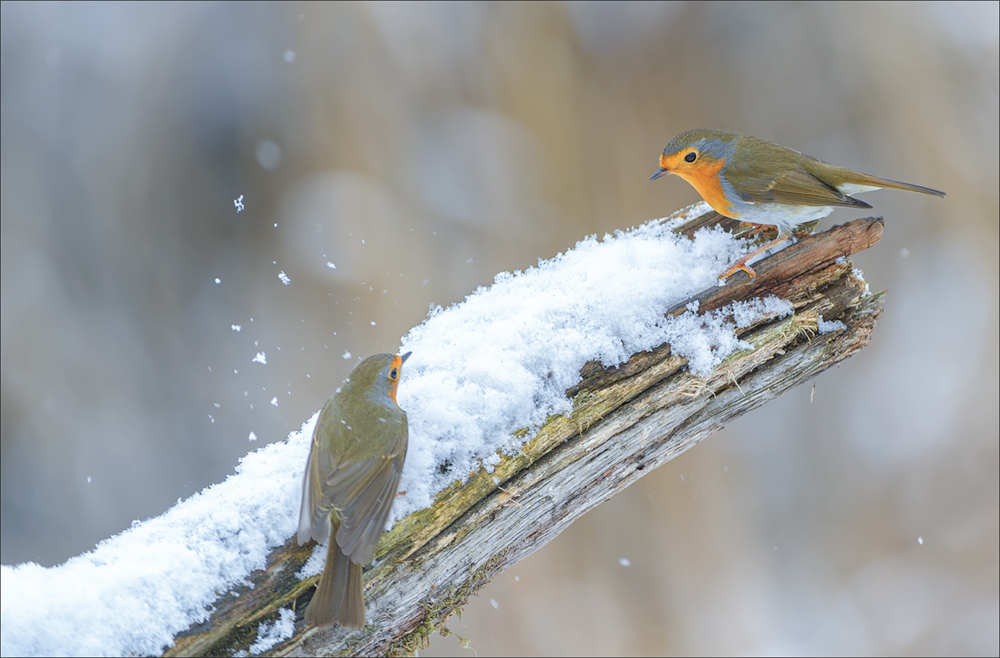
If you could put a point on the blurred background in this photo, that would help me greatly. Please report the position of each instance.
(393, 156)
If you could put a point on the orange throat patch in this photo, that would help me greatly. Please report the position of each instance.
(704, 178)
(397, 365)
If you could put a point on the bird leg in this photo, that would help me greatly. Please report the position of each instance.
(741, 264)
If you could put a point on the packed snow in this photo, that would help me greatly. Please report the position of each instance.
(495, 363)
(502, 359)
(136, 590)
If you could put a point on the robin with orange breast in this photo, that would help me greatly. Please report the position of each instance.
(355, 462)
(760, 182)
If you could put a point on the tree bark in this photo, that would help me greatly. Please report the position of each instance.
(625, 422)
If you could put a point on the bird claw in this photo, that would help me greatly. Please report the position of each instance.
(737, 266)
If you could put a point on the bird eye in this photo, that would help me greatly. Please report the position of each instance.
(690, 157)
(393, 374)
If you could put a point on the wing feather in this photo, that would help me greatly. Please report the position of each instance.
(363, 493)
(363, 522)
(796, 187)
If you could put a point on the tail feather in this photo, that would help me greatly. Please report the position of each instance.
(887, 184)
(339, 597)
(352, 609)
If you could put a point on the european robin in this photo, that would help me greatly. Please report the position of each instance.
(354, 465)
(760, 182)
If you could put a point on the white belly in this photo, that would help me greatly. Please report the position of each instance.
(786, 218)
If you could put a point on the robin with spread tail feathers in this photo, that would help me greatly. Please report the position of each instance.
(354, 465)
(760, 182)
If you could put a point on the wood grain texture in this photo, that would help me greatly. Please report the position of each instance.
(625, 422)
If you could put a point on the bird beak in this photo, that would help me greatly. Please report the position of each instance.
(659, 172)
(404, 357)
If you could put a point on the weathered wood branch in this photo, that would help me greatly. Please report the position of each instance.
(625, 422)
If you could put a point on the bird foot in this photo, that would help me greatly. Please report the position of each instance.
(741, 264)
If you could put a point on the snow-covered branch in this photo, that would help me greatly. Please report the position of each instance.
(530, 403)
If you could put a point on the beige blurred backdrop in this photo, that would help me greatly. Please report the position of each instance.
(421, 149)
